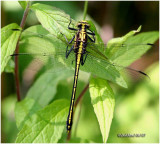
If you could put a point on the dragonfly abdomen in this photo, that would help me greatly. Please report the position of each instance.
(80, 43)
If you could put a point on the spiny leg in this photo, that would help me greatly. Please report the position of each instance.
(92, 40)
(83, 60)
(91, 33)
(70, 27)
(67, 53)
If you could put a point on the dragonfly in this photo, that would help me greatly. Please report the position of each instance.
(86, 54)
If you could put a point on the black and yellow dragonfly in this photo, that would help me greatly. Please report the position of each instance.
(85, 51)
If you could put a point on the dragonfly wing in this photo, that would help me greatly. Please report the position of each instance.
(43, 50)
(100, 65)
(121, 54)
(104, 69)
(44, 61)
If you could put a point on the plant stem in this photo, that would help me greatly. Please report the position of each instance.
(85, 9)
(79, 100)
(79, 112)
(81, 95)
(16, 51)
(68, 136)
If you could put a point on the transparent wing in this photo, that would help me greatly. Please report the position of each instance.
(125, 53)
(39, 50)
(44, 49)
(104, 67)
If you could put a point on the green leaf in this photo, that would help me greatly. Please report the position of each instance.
(37, 40)
(136, 47)
(10, 66)
(46, 125)
(129, 54)
(23, 4)
(8, 43)
(50, 44)
(103, 69)
(103, 102)
(53, 19)
(24, 110)
(111, 45)
(45, 88)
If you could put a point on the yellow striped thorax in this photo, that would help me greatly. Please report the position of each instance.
(83, 25)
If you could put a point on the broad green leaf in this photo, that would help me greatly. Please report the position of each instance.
(23, 3)
(10, 66)
(36, 40)
(45, 88)
(8, 43)
(111, 45)
(56, 49)
(103, 102)
(134, 46)
(53, 19)
(103, 70)
(46, 125)
(24, 110)
(126, 55)
(56, 22)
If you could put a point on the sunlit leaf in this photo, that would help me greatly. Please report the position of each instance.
(103, 101)
(23, 3)
(45, 88)
(24, 110)
(111, 45)
(42, 42)
(10, 66)
(134, 47)
(53, 19)
(46, 125)
(8, 43)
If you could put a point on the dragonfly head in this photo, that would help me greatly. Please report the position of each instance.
(83, 23)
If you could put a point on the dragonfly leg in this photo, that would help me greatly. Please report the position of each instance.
(92, 40)
(83, 60)
(67, 39)
(91, 33)
(70, 27)
(71, 39)
(67, 53)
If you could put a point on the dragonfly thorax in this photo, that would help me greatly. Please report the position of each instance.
(83, 24)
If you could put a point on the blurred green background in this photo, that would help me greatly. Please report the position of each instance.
(136, 108)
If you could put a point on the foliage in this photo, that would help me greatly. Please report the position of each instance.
(41, 118)
(103, 101)
(8, 43)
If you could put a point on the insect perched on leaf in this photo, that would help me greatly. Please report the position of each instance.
(49, 52)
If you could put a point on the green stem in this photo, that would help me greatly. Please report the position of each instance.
(85, 9)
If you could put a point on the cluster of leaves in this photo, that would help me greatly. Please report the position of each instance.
(37, 119)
